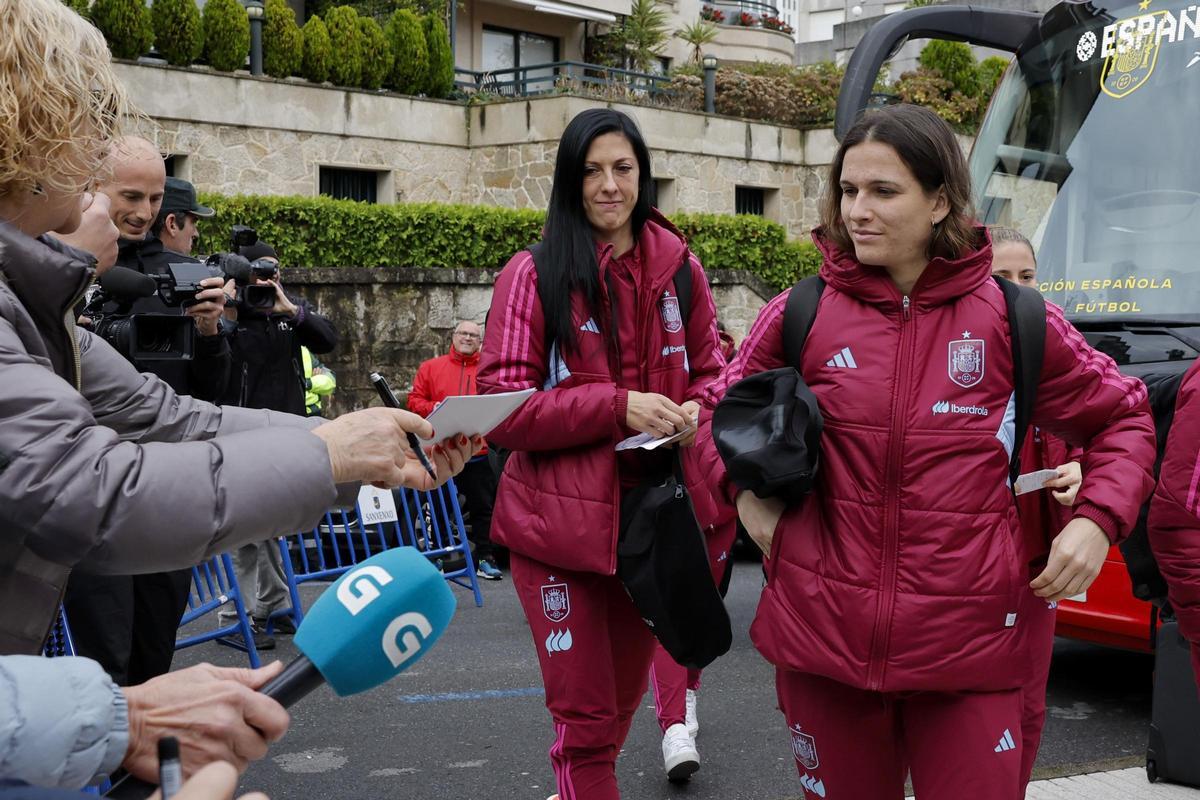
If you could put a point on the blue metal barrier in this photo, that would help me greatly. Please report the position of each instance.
(214, 583)
(431, 522)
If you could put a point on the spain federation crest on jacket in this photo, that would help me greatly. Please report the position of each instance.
(966, 361)
(556, 603)
(672, 319)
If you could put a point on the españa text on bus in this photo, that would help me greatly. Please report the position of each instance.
(1127, 34)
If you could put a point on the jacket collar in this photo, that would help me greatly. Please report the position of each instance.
(659, 249)
(46, 275)
(943, 281)
(459, 358)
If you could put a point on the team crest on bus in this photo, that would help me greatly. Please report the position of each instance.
(672, 320)
(556, 603)
(804, 747)
(966, 361)
(1134, 56)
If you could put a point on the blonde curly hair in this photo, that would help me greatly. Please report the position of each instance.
(60, 103)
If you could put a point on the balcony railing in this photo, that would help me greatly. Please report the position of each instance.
(563, 76)
(744, 13)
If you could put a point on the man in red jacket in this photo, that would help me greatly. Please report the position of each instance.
(1174, 523)
(442, 377)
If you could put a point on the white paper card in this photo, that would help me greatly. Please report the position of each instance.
(473, 415)
(376, 505)
(648, 441)
(1032, 481)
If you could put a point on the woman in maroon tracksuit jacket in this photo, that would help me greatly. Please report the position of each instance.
(613, 356)
(1174, 522)
(891, 607)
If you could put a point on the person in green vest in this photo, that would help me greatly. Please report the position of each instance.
(319, 382)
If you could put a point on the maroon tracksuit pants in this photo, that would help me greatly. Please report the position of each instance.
(852, 743)
(594, 651)
(1039, 619)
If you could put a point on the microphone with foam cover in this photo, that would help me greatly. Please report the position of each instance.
(376, 621)
(373, 623)
(125, 282)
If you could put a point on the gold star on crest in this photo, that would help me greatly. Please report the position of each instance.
(1145, 4)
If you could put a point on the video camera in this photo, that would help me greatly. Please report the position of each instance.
(148, 336)
(169, 337)
(236, 268)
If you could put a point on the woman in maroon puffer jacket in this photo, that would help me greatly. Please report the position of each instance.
(891, 605)
(597, 327)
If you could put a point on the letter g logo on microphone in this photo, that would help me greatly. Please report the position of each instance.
(404, 637)
(359, 588)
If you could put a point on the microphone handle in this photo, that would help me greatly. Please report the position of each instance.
(297, 679)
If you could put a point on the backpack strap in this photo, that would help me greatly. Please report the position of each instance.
(1027, 335)
(798, 317)
(683, 287)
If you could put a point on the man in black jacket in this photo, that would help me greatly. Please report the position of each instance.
(128, 623)
(268, 372)
(267, 368)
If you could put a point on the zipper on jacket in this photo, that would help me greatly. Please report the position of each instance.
(69, 322)
(882, 631)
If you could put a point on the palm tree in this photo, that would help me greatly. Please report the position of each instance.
(644, 33)
(698, 34)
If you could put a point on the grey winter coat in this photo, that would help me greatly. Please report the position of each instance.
(62, 721)
(109, 470)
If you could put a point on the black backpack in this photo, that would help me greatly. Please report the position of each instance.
(1027, 323)
(1148, 583)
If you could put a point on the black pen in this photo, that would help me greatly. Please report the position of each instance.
(389, 400)
(170, 772)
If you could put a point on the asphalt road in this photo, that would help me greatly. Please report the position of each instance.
(468, 721)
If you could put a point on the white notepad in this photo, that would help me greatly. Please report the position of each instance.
(473, 415)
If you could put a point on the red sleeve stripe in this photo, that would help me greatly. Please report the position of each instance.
(1095, 361)
(514, 347)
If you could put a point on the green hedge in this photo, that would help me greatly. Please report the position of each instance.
(320, 232)
(177, 34)
(283, 43)
(226, 34)
(345, 42)
(126, 26)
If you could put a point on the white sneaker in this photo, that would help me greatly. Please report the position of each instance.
(689, 719)
(680, 758)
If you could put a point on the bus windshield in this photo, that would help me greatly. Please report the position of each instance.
(1091, 148)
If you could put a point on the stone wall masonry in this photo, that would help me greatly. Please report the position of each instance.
(390, 320)
(239, 134)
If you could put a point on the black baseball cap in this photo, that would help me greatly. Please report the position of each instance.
(180, 195)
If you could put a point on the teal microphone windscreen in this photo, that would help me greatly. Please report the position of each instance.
(377, 620)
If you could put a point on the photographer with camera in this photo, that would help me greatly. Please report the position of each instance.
(128, 623)
(268, 329)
